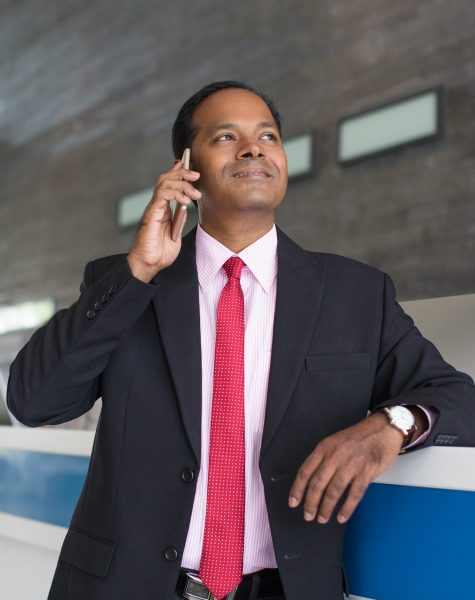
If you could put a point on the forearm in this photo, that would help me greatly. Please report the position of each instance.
(410, 371)
(56, 375)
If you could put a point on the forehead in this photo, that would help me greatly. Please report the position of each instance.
(231, 106)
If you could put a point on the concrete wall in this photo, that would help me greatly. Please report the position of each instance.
(89, 90)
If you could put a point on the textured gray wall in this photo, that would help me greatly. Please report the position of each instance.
(89, 90)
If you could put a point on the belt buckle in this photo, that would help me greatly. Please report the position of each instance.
(195, 589)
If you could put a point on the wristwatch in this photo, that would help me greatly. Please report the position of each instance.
(401, 418)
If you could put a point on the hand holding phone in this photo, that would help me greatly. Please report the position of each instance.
(157, 241)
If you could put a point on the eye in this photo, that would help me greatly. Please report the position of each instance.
(224, 137)
(269, 136)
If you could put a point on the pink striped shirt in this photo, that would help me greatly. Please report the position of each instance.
(258, 282)
(259, 285)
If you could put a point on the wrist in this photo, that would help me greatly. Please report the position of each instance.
(144, 273)
(385, 427)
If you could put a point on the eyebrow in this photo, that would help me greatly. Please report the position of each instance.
(261, 125)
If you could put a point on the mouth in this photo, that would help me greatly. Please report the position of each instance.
(251, 174)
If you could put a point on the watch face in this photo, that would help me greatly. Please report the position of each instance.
(402, 417)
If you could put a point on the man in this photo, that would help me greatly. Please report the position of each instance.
(236, 372)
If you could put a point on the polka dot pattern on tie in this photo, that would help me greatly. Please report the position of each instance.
(223, 544)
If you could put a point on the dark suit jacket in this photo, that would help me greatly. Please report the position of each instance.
(341, 346)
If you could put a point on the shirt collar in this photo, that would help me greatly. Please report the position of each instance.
(260, 257)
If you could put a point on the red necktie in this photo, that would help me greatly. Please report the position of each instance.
(223, 543)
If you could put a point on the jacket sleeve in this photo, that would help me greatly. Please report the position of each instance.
(56, 376)
(410, 370)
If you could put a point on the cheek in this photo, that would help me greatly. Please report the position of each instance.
(208, 184)
(281, 162)
(207, 171)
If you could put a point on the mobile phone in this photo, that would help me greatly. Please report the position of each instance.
(179, 216)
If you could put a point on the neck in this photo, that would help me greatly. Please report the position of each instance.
(237, 236)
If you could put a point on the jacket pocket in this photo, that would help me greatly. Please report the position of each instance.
(87, 553)
(324, 362)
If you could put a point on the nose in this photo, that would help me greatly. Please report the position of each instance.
(250, 149)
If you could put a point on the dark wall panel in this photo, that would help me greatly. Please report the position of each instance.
(89, 90)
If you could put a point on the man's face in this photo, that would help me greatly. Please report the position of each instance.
(239, 153)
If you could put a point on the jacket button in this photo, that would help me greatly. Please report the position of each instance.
(97, 305)
(90, 314)
(187, 475)
(104, 299)
(112, 289)
(171, 554)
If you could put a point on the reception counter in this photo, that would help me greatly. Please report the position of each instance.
(411, 537)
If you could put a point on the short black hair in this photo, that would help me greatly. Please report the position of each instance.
(184, 130)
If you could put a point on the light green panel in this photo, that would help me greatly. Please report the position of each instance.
(26, 315)
(131, 207)
(299, 154)
(393, 125)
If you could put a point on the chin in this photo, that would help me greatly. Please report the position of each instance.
(252, 198)
(256, 204)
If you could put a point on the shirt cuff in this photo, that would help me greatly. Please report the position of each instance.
(431, 417)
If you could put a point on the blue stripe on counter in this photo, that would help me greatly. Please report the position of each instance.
(403, 542)
(41, 486)
(412, 543)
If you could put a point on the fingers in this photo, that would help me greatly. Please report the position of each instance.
(174, 189)
(344, 463)
(176, 184)
(355, 495)
(323, 504)
(156, 242)
(324, 489)
(306, 476)
(181, 191)
(178, 171)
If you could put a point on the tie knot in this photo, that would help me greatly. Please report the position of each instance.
(233, 267)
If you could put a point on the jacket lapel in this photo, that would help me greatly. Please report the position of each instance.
(176, 305)
(300, 283)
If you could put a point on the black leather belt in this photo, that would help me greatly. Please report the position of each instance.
(263, 584)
